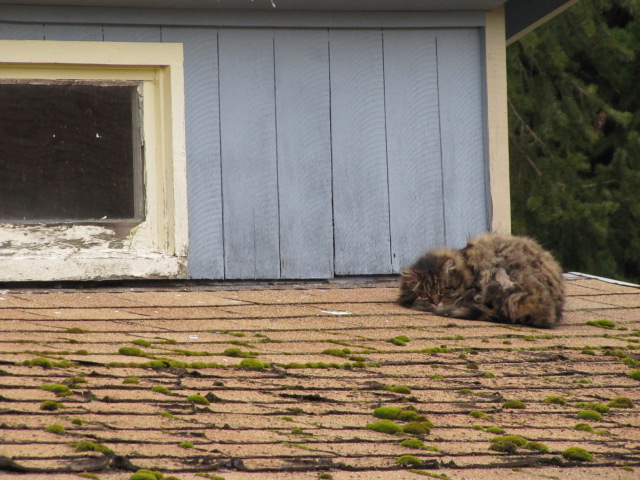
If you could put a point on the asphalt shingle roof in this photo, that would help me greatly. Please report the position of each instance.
(293, 375)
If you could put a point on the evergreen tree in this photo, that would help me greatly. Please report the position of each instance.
(574, 135)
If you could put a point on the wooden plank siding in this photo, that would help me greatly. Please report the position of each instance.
(413, 144)
(360, 181)
(249, 157)
(304, 153)
(460, 86)
(316, 152)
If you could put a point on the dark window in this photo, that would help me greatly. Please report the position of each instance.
(69, 152)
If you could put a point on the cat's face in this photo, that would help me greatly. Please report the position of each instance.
(441, 283)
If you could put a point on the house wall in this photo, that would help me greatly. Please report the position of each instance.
(317, 145)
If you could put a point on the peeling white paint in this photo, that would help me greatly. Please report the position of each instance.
(82, 252)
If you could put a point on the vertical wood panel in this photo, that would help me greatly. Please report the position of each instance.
(21, 31)
(304, 153)
(361, 205)
(80, 33)
(114, 33)
(413, 144)
(460, 80)
(204, 177)
(248, 145)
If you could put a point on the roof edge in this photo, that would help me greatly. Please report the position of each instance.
(602, 279)
(524, 16)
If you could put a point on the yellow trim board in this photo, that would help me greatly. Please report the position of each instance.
(497, 120)
(90, 53)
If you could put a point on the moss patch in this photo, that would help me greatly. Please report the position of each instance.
(46, 363)
(253, 364)
(131, 351)
(597, 407)
(238, 353)
(409, 461)
(494, 430)
(478, 414)
(87, 446)
(144, 474)
(511, 443)
(50, 406)
(161, 389)
(336, 352)
(55, 428)
(198, 400)
(590, 415)
(58, 389)
(412, 443)
(577, 454)
(608, 324)
(418, 428)
(536, 446)
(400, 340)
(621, 402)
(398, 389)
(556, 400)
(385, 426)
(585, 427)
(395, 413)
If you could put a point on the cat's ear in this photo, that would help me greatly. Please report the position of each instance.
(410, 277)
(449, 265)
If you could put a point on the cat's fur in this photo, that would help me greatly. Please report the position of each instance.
(500, 278)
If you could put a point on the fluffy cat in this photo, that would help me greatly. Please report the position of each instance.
(500, 278)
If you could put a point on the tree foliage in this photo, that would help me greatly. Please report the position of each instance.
(574, 137)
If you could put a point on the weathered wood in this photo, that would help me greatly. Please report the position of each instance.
(304, 153)
(21, 31)
(119, 33)
(361, 204)
(413, 144)
(211, 18)
(73, 32)
(248, 147)
(204, 175)
(462, 131)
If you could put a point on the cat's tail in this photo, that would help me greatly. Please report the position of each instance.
(527, 309)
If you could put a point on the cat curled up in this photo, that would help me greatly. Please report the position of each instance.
(499, 278)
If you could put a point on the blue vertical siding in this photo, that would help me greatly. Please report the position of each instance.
(315, 152)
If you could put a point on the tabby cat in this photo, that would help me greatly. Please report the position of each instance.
(500, 278)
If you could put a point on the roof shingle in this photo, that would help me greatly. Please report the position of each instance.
(293, 375)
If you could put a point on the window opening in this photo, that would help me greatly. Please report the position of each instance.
(70, 152)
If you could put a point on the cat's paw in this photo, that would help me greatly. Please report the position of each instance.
(423, 305)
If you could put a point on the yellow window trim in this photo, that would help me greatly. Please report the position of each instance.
(159, 244)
